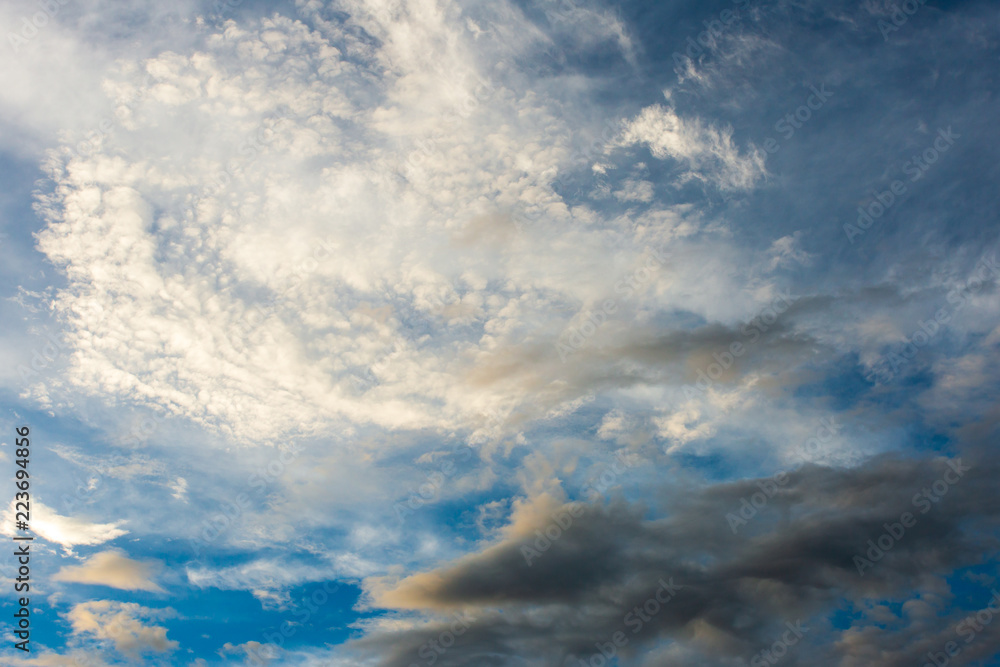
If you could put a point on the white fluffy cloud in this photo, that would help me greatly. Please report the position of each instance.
(264, 238)
(122, 624)
(66, 531)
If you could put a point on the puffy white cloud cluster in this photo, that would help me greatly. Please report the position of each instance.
(280, 218)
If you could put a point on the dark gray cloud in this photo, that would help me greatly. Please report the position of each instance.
(793, 559)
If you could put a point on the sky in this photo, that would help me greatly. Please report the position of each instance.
(549, 333)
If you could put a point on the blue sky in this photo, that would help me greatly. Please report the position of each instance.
(377, 333)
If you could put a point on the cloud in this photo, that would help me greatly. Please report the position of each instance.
(127, 468)
(120, 622)
(170, 191)
(74, 658)
(708, 153)
(633, 190)
(114, 569)
(796, 560)
(271, 580)
(186, 293)
(584, 27)
(63, 530)
(253, 650)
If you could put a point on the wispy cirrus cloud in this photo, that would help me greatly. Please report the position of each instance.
(708, 153)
